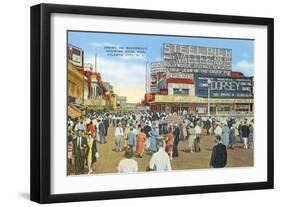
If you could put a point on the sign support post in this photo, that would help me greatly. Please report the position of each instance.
(209, 84)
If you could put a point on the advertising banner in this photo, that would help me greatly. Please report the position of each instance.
(75, 55)
(224, 87)
(196, 57)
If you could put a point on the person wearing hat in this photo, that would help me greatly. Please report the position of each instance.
(176, 134)
(198, 131)
(119, 135)
(232, 137)
(153, 139)
(192, 136)
(128, 165)
(91, 129)
(80, 126)
(106, 126)
(170, 143)
(147, 128)
(131, 138)
(141, 138)
(69, 151)
(245, 134)
(160, 160)
(208, 125)
(251, 134)
(126, 132)
(91, 152)
(219, 154)
(218, 130)
(79, 147)
(101, 130)
(225, 134)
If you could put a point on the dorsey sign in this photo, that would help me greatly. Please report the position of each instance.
(224, 87)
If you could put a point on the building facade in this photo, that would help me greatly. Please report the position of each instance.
(189, 78)
(75, 83)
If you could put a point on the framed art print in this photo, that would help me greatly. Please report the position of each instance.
(133, 103)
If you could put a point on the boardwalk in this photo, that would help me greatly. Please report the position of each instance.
(109, 159)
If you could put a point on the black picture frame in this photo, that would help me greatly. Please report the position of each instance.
(41, 99)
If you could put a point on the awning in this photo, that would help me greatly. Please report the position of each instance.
(73, 111)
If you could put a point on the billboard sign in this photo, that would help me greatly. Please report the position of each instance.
(209, 72)
(153, 80)
(156, 67)
(162, 81)
(75, 55)
(154, 90)
(180, 75)
(174, 119)
(196, 57)
(224, 87)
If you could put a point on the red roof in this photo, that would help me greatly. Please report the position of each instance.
(236, 74)
(180, 80)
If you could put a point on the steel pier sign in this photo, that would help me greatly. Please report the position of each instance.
(196, 59)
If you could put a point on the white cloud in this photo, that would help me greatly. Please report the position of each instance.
(245, 67)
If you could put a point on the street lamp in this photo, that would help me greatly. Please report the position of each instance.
(209, 84)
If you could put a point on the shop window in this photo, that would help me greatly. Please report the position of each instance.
(181, 91)
(185, 91)
(242, 108)
(224, 108)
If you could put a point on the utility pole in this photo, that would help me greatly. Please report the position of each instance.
(96, 70)
(209, 85)
(146, 76)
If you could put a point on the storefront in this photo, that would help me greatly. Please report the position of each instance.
(75, 82)
(199, 106)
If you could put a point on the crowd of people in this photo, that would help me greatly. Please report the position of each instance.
(154, 133)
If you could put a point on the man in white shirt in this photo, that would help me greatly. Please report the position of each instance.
(198, 131)
(80, 126)
(119, 135)
(160, 160)
(128, 165)
(218, 130)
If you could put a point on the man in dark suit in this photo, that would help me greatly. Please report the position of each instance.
(219, 154)
(176, 134)
(208, 125)
(101, 131)
(245, 131)
(106, 125)
(79, 149)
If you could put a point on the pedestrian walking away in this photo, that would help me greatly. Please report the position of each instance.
(160, 160)
(219, 155)
(128, 165)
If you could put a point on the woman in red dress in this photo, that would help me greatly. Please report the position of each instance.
(140, 143)
(91, 129)
(170, 143)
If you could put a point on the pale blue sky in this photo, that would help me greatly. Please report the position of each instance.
(127, 75)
